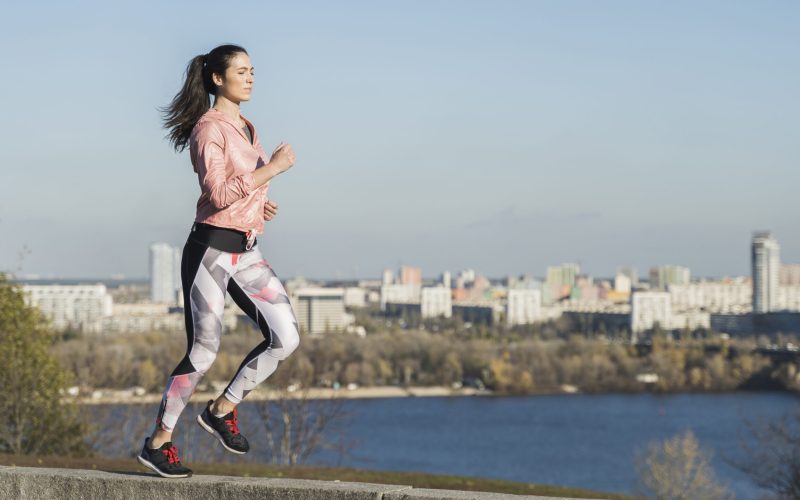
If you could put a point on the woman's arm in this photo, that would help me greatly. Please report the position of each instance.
(211, 169)
(281, 160)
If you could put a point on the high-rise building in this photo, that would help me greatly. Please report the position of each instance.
(564, 274)
(465, 278)
(524, 306)
(622, 283)
(631, 272)
(410, 275)
(446, 279)
(649, 308)
(661, 277)
(765, 261)
(319, 310)
(165, 273)
(559, 282)
(436, 301)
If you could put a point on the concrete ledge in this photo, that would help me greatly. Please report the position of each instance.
(74, 484)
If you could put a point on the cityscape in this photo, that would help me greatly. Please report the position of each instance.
(767, 301)
(532, 248)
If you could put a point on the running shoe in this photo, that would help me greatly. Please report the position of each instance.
(164, 460)
(225, 429)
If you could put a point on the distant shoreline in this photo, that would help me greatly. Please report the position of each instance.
(128, 397)
(111, 396)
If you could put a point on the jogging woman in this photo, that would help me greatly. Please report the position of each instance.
(221, 254)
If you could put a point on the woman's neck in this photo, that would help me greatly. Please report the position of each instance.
(230, 108)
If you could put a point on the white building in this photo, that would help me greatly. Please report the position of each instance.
(650, 307)
(789, 274)
(70, 305)
(788, 298)
(725, 296)
(631, 272)
(465, 278)
(524, 306)
(400, 293)
(765, 261)
(436, 301)
(662, 277)
(149, 317)
(622, 283)
(691, 320)
(165, 273)
(355, 297)
(320, 310)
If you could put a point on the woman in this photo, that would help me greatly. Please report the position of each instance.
(221, 253)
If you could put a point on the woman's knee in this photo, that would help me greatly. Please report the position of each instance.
(290, 340)
(202, 361)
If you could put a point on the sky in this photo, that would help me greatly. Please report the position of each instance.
(500, 136)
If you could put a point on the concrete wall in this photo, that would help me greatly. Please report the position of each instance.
(73, 484)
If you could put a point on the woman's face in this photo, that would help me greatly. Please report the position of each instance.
(239, 78)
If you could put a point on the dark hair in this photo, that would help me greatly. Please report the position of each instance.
(193, 100)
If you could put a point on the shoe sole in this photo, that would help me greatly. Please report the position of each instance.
(217, 435)
(150, 465)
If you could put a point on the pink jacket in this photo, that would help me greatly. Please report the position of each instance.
(224, 161)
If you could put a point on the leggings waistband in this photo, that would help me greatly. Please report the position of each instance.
(221, 238)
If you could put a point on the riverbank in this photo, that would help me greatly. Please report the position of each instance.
(131, 396)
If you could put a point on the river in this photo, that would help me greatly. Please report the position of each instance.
(587, 441)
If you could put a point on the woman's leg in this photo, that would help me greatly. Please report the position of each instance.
(205, 272)
(259, 293)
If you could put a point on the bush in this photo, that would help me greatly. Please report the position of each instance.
(33, 417)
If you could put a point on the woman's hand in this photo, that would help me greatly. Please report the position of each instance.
(283, 157)
(270, 209)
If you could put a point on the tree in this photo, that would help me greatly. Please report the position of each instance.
(35, 418)
(677, 469)
(297, 426)
(773, 454)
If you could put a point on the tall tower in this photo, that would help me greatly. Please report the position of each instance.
(765, 261)
(164, 273)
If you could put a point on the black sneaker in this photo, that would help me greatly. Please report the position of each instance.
(163, 460)
(225, 429)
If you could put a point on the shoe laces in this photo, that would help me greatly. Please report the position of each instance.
(172, 455)
(232, 423)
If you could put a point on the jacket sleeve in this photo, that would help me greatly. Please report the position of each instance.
(263, 159)
(210, 166)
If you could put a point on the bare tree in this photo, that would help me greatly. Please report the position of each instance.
(773, 454)
(297, 426)
(115, 427)
(677, 469)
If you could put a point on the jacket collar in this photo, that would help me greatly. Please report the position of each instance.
(220, 116)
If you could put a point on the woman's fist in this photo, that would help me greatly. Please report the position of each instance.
(282, 157)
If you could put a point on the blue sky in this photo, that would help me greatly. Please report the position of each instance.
(502, 136)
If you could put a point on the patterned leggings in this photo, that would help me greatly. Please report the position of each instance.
(206, 274)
